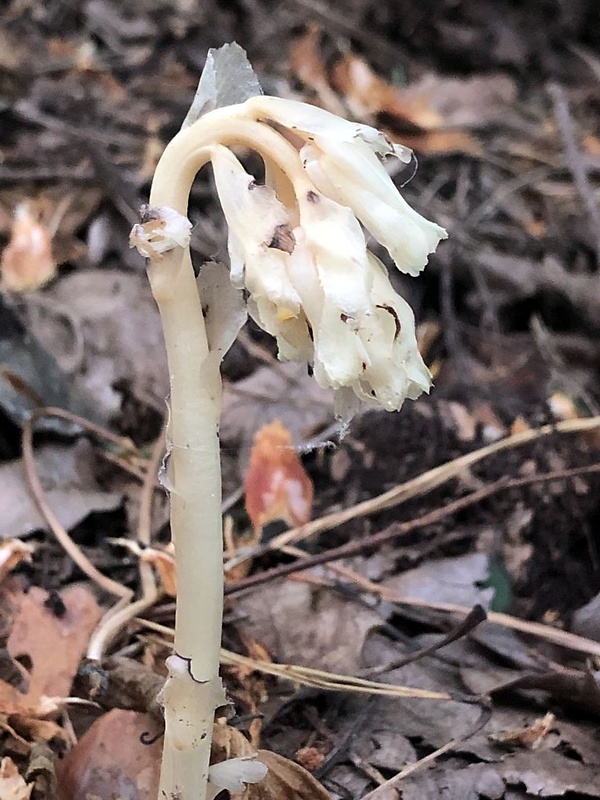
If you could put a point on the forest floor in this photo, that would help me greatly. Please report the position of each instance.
(474, 575)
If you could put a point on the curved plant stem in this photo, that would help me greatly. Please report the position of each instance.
(190, 693)
(192, 690)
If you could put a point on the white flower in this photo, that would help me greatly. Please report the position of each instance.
(296, 244)
(344, 161)
(318, 290)
(259, 243)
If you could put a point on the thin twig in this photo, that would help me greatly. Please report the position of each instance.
(113, 622)
(118, 616)
(415, 487)
(383, 790)
(353, 548)
(61, 535)
(101, 432)
(144, 531)
(575, 160)
(317, 678)
(124, 464)
(571, 641)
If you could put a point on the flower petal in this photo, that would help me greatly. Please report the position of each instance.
(340, 355)
(353, 175)
(259, 234)
(312, 121)
(393, 376)
(338, 247)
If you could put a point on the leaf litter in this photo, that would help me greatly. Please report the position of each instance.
(509, 163)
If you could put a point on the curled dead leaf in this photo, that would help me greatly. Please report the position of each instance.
(12, 553)
(310, 758)
(531, 736)
(27, 260)
(277, 486)
(12, 785)
(285, 780)
(164, 564)
(228, 742)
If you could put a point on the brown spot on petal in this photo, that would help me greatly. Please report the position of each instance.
(312, 197)
(344, 317)
(394, 314)
(283, 239)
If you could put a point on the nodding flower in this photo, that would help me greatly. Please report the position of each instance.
(297, 243)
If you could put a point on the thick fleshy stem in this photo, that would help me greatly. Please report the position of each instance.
(192, 690)
(194, 469)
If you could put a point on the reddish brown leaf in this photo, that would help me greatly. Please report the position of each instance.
(112, 760)
(164, 564)
(12, 552)
(27, 260)
(12, 785)
(277, 485)
(285, 780)
(61, 625)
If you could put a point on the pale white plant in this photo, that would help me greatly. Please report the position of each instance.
(298, 255)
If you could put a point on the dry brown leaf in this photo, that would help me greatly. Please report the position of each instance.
(313, 628)
(562, 406)
(431, 103)
(532, 735)
(103, 328)
(228, 742)
(431, 114)
(165, 566)
(519, 425)
(12, 785)
(446, 580)
(307, 64)
(310, 758)
(67, 475)
(277, 487)
(366, 94)
(247, 687)
(12, 552)
(57, 624)
(112, 760)
(442, 142)
(49, 635)
(27, 261)
(285, 780)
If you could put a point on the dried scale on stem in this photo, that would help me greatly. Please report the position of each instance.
(297, 247)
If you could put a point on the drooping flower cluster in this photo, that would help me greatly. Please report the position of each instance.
(297, 245)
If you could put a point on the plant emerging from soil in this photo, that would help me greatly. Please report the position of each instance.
(300, 265)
